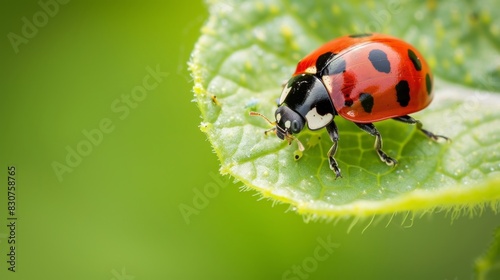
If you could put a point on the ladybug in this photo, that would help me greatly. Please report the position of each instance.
(364, 78)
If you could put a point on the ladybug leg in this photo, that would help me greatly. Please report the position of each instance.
(370, 128)
(334, 136)
(410, 120)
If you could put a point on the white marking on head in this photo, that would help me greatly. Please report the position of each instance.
(288, 124)
(278, 117)
(316, 121)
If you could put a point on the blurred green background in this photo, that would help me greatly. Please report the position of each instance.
(115, 213)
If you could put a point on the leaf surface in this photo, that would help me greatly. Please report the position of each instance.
(248, 49)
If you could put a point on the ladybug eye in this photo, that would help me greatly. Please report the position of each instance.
(288, 120)
(297, 126)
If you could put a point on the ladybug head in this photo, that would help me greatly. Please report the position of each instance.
(288, 122)
(304, 100)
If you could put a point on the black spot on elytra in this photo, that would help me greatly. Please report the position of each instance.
(415, 60)
(403, 93)
(361, 35)
(337, 66)
(428, 83)
(322, 61)
(379, 60)
(366, 100)
(348, 102)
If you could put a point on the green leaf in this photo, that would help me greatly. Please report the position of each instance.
(488, 266)
(248, 49)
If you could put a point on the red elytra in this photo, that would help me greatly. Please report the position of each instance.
(364, 78)
(404, 65)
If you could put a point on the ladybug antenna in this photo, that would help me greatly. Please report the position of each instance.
(252, 113)
(289, 137)
(273, 129)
